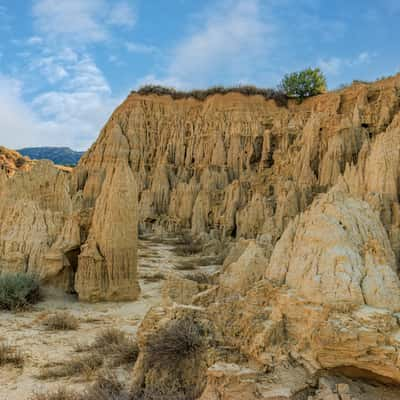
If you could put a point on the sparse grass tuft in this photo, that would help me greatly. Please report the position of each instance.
(18, 291)
(10, 355)
(178, 339)
(59, 394)
(117, 345)
(61, 321)
(114, 345)
(106, 387)
(84, 365)
(187, 246)
(199, 277)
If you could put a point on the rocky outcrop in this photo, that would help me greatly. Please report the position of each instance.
(325, 301)
(241, 166)
(12, 161)
(69, 236)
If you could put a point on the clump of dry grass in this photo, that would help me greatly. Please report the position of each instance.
(86, 365)
(59, 394)
(116, 345)
(10, 355)
(61, 321)
(178, 339)
(199, 277)
(187, 246)
(106, 387)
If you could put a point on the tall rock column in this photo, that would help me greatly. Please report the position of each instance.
(107, 267)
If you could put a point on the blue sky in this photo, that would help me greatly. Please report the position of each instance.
(66, 64)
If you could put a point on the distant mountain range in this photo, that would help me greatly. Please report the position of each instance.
(59, 155)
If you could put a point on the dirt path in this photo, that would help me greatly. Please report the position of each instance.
(40, 346)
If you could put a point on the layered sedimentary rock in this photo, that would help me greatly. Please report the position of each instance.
(49, 228)
(242, 166)
(325, 301)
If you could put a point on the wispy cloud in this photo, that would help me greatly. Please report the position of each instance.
(71, 112)
(122, 14)
(81, 21)
(140, 48)
(335, 65)
(232, 36)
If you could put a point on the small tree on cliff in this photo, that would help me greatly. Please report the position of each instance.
(302, 84)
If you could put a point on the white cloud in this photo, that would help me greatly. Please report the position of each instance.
(34, 40)
(71, 114)
(152, 79)
(140, 48)
(122, 14)
(331, 66)
(335, 65)
(232, 37)
(81, 21)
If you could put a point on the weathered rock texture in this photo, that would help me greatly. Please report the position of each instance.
(242, 166)
(50, 229)
(11, 161)
(311, 189)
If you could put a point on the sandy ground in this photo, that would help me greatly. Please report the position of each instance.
(40, 346)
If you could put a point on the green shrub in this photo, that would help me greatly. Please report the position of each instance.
(18, 291)
(302, 84)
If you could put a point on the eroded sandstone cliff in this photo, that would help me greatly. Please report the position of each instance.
(48, 229)
(308, 197)
(243, 166)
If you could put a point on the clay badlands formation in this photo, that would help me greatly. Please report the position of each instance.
(304, 196)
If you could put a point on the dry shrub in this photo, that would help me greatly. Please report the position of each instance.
(61, 321)
(117, 345)
(175, 341)
(199, 277)
(106, 387)
(187, 246)
(10, 355)
(247, 90)
(113, 344)
(84, 365)
(59, 394)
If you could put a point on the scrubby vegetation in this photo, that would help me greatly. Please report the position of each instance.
(86, 365)
(176, 340)
(116, 345)
(202, 94)
(199, 277)
(106, 387)
(302, 84)
(188, 246)
(111, 347)
(10, 355)
(18, 291)
(61, 321)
